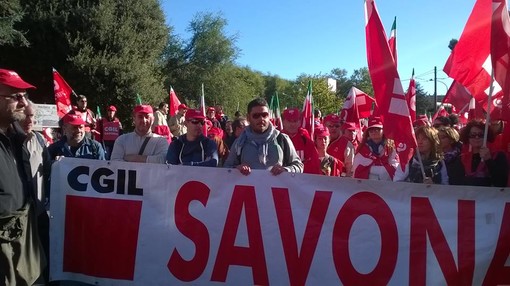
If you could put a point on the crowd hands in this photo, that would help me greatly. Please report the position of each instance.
(445, 154)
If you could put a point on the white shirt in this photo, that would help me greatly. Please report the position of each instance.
(130, 144)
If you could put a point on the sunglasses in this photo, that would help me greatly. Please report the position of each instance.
(475, 135)
(259, 115)
(196, 121)
(15, 96)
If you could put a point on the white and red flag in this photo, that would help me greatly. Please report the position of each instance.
(470, 62)
(357, 106)
(62, 94)
(202, 109)
(307, 112)
(174, 102)
(500, 54)
(392, 41)
(389, 94)
(411, 98)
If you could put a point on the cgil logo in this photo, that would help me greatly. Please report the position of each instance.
(104, 180)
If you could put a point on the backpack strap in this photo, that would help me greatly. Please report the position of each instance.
(144, 144)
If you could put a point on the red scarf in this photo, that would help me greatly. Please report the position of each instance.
(362, 171)
(467, 161)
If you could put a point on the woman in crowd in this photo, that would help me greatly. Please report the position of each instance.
(451, 146)
(428, 155)
(376, 158)
(482, 167)
(330, 166)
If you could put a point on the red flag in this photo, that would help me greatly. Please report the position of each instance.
(62, 94)
(458, 96)
(174, 102)
(392, 42)
(388, 90)
(500, 53)
(469, 62)
(441, 111)
(357, 105)
(307, 112)
(411, 98)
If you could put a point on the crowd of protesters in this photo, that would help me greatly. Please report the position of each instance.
(445, 154)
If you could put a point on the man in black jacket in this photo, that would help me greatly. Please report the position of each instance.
(21, 256)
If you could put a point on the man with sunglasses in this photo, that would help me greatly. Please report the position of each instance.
(193, 148)
(261, 146)
(21, 255)
(141, 145)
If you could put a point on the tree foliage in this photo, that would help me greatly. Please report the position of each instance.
(108, 50)
(11, 14)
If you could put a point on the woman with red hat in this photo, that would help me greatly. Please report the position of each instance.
(376, 157)
(330, 166)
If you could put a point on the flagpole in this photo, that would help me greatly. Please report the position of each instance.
(421, 163)
(488, 116)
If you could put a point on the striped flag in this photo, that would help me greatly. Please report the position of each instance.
(307, 112)
(392, 42)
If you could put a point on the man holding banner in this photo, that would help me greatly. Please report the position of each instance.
(21, 255)
(261, 146)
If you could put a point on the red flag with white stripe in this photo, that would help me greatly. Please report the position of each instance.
(411, 98)
(62, 94)
(389, 94)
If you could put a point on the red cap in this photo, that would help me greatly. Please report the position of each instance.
(112, 108)
(349, 126)
(215, 131)
(291, 114)
(321, 131)
(375, 122)
(194, 114)
(73, 119)
(182, 106)
(211, 109)
(332, 118)
(12, 79)
(143, 109)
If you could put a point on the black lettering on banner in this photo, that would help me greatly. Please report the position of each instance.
(72, 178)
(132, 189)
(121, 182)
(96, 181)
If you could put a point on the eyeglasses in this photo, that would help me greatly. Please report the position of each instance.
(475, 135)
(261, 114)
(196, 121)
(16, 96)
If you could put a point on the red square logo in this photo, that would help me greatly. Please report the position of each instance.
(101, 236)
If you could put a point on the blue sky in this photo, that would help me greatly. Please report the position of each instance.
(288, 38)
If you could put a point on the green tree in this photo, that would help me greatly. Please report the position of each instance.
(424, 102)
(323, 98)
(11, 13)
(343, 83)
(108, 51)
(360, 79)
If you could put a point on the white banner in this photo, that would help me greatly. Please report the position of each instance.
(117, 223)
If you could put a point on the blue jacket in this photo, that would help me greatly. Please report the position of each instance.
(200, 152)
(89, 149)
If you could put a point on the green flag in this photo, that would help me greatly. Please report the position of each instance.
(98, 112)
(138, 99)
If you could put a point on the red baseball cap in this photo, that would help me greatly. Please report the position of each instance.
(74, 119)
(291, 114)
(349, 126)
(211, 109)
(112, 108)
(321, 131)
(375, 122)
(182, 106)
(12, 79)
(332, 118)
(194, 114)
(143, 108)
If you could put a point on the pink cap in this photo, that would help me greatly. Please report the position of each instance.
(182, 106)
(74, 119)
(349, 126)
(375, 122)
(143, 109)
(291, 114)
(112, 108)
(332, 118)
(194, 114)
(321, 131)
(12, 79)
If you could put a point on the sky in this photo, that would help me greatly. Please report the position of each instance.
(288, 38)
